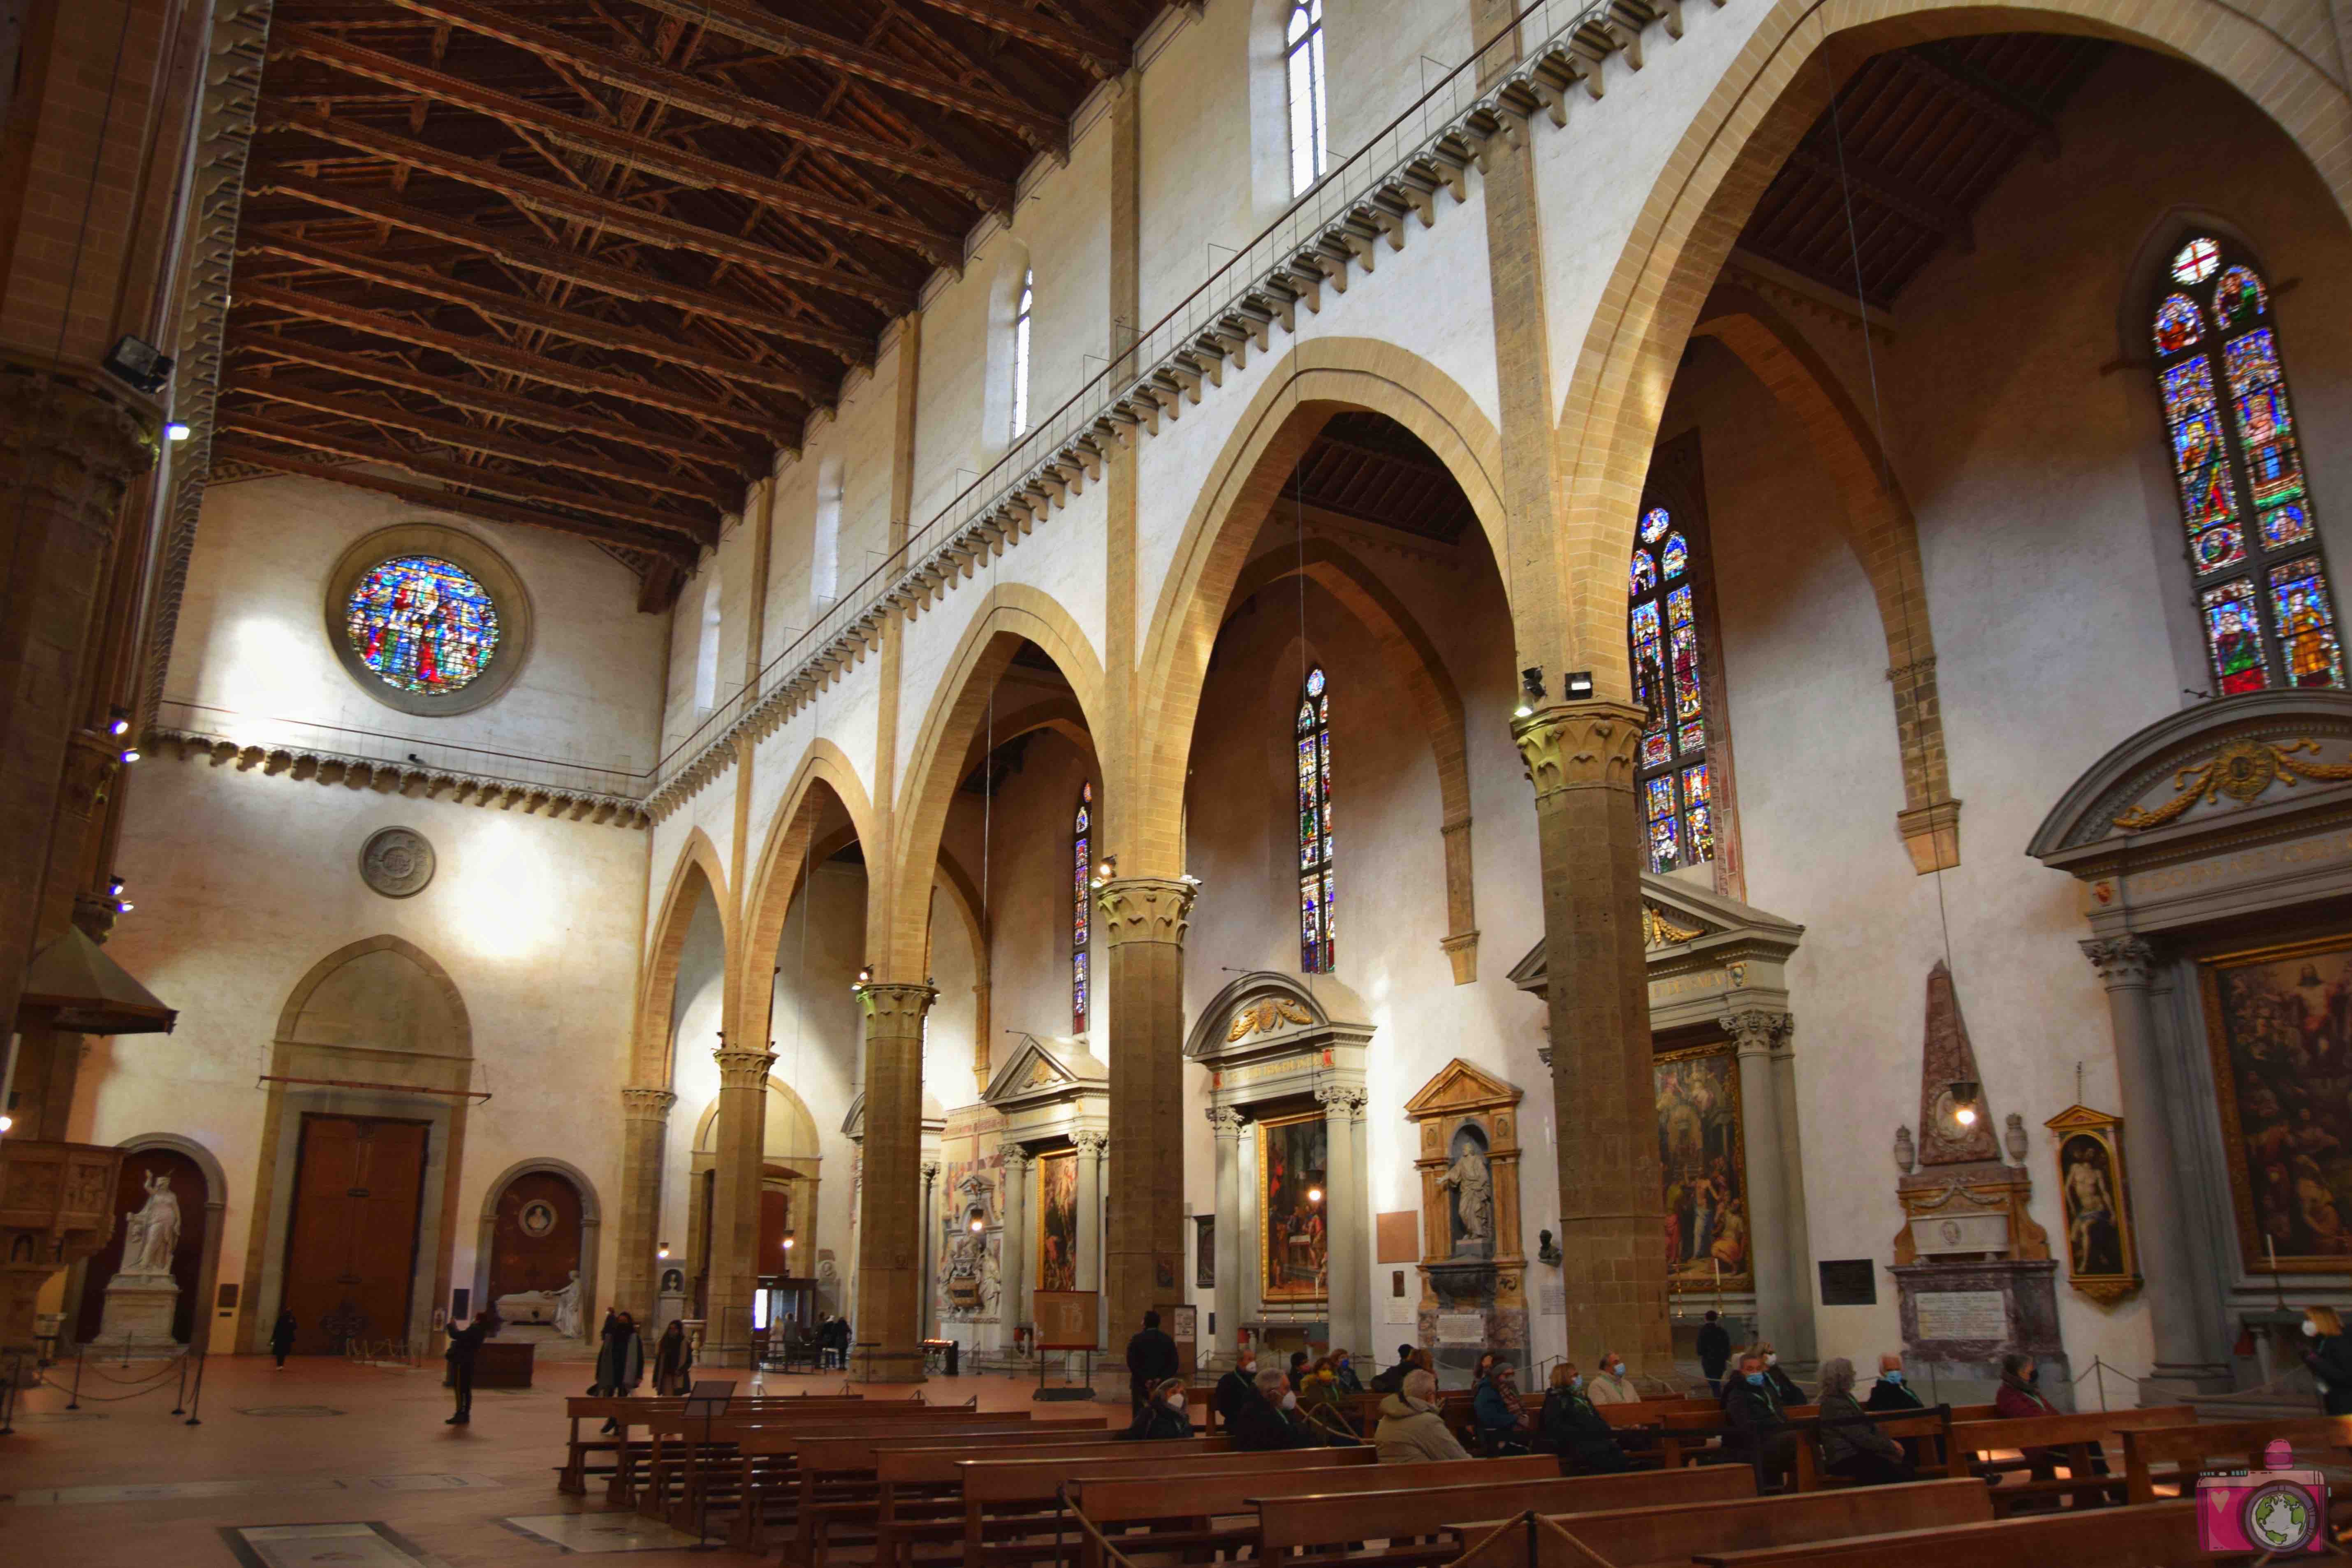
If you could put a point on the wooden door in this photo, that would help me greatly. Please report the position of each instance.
(535, 1238)
(350, 1251)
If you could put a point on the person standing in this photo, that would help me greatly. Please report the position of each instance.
(463, 1345)
(1714, 1354)
(673, 1360)
(2329, 1354)
(281, 1336)
(1150, 1361)
(620, 1362)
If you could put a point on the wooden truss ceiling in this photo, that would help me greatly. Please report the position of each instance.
(587, 263)
(1367, 466)
(1912, 146)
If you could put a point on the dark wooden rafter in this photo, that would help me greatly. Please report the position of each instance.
(470, 438)
(661, 159)
(534, 255)
(514, 487)
(1100, 55)
(1987, 95)
(230, 450)
(523, 313)
(1888, 189)
(489, 355)
(544, 197)
(711, 101)
(762, 29)
(508, 405)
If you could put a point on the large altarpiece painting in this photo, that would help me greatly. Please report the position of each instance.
(1703, 1162)
(1295, 1250)
(1057, 1232)
(2279, 1021)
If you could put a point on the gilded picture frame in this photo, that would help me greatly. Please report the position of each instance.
(2276, 1023)
(1293, 1230)
(1703, 1149)
(2094, 1204)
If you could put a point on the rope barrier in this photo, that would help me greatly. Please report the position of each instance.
(1062, 1495)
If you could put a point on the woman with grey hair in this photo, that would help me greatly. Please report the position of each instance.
(1269, 1418)
(1850, 1445)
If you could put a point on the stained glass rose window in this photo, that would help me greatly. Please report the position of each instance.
(422, 623)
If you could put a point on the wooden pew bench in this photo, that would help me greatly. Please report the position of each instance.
(1333, 1530)
(1928, 1432)
(628, 1458)
(2161, 1535)
(1670, 1536)
(839, 1492)
(1218, 1512)
(920, 1496)
(1011, 1513)
(697, 1459)
(2175, 1453)
(2073, 1438)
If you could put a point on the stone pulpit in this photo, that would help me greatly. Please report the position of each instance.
(1473, 1268)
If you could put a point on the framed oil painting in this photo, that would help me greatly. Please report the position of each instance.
(2094, 1197)
(2279, 1023)
(1205, 1252)
(1057, 1223)
(1703, 1162)
(1294, 1245)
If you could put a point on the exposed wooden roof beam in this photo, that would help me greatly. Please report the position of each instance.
(514, 487)
(1101, 56)
(713, 100)
(763, 30)
(661, 550)
(523, 312)
(672, 163)
(467, 437)
(536, 256)
(492, 356)
(489, 400)
(1890, 190)
(538, 195)
(1985, 95)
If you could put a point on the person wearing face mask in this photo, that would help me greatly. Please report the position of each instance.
(1162, 1415)
(1237, 1386)
(1412, 1429)
(1759, 1428)
(1501, 1415)
(1850, 1445)
(1569, 1427)
(2020, 1397)
(1893, 1392)
(1784, 1387)
(1269, 1419)
(2328, 1351)
(1610, 1386)
(1343, 1373)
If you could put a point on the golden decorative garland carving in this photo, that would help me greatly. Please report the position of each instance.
(2242, 770)
(1657, 930)
(1261, 1016)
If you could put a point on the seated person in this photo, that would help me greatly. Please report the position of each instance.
(1298, 1364)
(1610, 1386)
(1269, 1418)
(1891, 1392)
(1392, 1380)
(1411, 1428)
(1784, 1387)
(1850, 1445)
(1239, 1384)
(2018, 1398)
(1343, 1373)
(1501, 1415)
(1759, 1427)
(1569, 1427)
(1162, 1415)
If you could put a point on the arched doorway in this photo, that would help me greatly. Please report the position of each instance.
(539, 1227)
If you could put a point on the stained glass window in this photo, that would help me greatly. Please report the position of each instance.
(422, 623)
(2261, 587)
(1082, 827)
(1318, 930)
(1663, 631)
(1021, 358)
(1302, 47)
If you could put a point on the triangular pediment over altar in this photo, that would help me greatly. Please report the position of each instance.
(1460, 1087)
(1266, 1010)
(853, 1123)
(1046, 1068)
(1686, 928)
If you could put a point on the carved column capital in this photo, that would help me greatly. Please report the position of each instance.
(1090, 1144)
(1144, 908)
(901, 1005)
(1224, 1120)
(2121, 960)
(1757, 1029)
(930, 1172)
(646, 1104)
(1016, 1162)
(1339, 1101)
(76, 439)
(1583, 745)
(741, 1068)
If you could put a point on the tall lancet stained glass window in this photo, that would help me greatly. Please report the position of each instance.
(1672, 776)
(1318, 930)
(2262, 597)
(1082, 832)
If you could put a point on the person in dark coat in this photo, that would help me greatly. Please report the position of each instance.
(281, 1336)
(1301, 1363)
(1150, 1361)
(1237, 1386)
(1850, 1445)
(1759, 1426)
(621, 1360)
(1714, 1354)
(1392, 1380)
(2020, 1398)
(1569, 1427)
(1162, 1415)
(1269, 1418)
(1892, 1392)
(463, 1345)
(1784, 1387)
(673, 1360)
(1501, 1413)
(2328, 1354)
(1343, 1373)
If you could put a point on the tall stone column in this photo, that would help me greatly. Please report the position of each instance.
(1225, 1247)
(1798, 1342)
(1347, 1218)
(1754, 1031)
(889, 1239)
(1017, 1270)
(735, 1260)
(1579, 758)
(1088, 1263)
(2159, 1221)
(931, 1244)
(644, 1126)
(1142, 928)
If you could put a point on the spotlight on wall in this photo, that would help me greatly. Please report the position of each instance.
(1577, 687)
(138, 364)
(125, 906)
(978, 1225)
(114, 887)
(788, 1244)
(118, 720)
(176, 431)
(1531, 691)
(6, 1122)
(1964, 1101)
(865, 977)
(131, 753)
(1314, 1194)
(1108, 868)
(662, 1251)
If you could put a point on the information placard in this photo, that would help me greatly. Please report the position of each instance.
(1066, 1320)
(1973, 1315)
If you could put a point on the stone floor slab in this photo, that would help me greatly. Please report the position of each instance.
(594, 1532)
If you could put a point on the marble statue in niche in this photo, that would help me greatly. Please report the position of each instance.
(1472, 1185)
(567, 1308)
(150, 1236)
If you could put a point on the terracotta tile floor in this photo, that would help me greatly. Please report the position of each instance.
(386, 1458)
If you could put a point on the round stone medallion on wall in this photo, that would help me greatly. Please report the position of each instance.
(427, 619)
(396, 862)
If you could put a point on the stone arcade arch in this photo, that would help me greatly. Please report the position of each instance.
(200, 1306)
(591, 1230)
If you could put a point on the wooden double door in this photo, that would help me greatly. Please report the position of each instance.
(350, 1250)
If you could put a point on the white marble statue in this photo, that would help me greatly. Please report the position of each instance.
(567, 1308)
(1473, 1193)
(150, 1236)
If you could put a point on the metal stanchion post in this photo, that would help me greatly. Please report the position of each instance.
(8, 1397)
(196, 1404)
(73, 1400)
